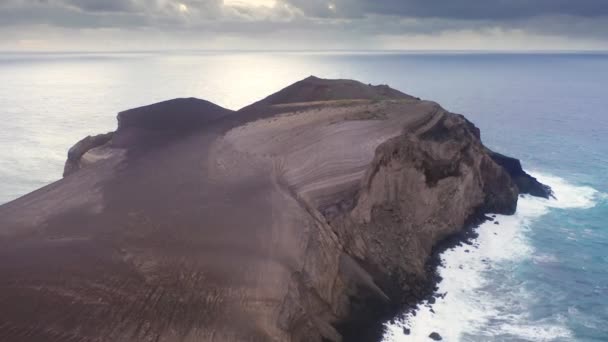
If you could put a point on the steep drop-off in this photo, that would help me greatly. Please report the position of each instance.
(308, 216)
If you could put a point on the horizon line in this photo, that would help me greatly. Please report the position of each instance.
(354, 51)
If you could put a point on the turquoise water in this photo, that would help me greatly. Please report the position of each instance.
(540, 275)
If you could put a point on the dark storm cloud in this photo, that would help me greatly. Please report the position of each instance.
(451, 9)
(71, 14)
(446, 9)
(106, 13)
(356, 19)
(103, 6)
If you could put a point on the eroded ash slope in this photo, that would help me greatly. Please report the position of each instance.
(308, 216)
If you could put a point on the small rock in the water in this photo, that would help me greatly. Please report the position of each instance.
(495, 233)
(460, 267)
(432, 300)
(496, 222)
(406, 331)
(432, 311)
(435, 336)
(466, 251)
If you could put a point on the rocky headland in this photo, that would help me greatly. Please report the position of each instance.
(311, 215)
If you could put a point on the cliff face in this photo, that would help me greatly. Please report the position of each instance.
(422, 187)
(308, 216)
(525, 183)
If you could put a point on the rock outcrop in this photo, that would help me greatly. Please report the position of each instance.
(308, 216)
(144, 128)
(525, 183)
(76, 152)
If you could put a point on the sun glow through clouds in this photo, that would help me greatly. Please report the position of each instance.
(182, 8)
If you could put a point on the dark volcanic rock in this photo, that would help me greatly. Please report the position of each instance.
(280, 222)
(526, 183)
(435, 336)
(145, 128)
(177, 114)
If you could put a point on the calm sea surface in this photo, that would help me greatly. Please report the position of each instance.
(541, 275)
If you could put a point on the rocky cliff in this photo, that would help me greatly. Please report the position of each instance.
(525, 183)
(308, 216)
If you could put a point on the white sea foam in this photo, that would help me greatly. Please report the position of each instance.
(471, 310)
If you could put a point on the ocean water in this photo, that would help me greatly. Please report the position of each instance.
(539, 275)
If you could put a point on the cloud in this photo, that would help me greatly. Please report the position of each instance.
(109, 6)
(311, 23)
(461, 9)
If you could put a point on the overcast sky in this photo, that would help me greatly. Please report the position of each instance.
(86, 25)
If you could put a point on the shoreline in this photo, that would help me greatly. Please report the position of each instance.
(465, 236)
(476, 281)
(360, 330)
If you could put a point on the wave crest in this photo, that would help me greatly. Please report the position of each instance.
(472, 277)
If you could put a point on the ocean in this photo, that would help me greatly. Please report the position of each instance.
(539, 275)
